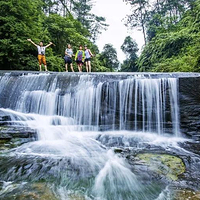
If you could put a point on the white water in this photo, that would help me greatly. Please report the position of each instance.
(133, 103)
(67, 117)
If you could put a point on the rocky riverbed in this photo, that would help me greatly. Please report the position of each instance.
(177, 168)
(13, 135)
(115, 137)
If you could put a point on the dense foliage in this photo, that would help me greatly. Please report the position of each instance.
(109, 57)
(176, 47)
(130, 48)
(59, 21)
(170, 28)
(172, 34)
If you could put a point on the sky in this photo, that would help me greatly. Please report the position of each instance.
(115, 11)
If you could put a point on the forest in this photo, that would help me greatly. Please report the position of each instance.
(171, 30)
(59, 21)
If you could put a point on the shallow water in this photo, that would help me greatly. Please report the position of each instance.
(72, 158)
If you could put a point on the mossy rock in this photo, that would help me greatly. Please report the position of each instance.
(4, 140)
(7, 143)
(35, 191)
(2, 128)
(186, 195)
(118, 150)
(168, 165)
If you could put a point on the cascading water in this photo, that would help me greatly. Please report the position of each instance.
(133, 103)
(69, 114)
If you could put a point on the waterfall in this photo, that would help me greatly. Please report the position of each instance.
(134, 103)
(73, 114)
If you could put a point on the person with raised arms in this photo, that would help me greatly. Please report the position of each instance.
(41, 53)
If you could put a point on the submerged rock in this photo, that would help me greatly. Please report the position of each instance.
(168, 165)
(25, 191)
(13, 136)
(186, 195)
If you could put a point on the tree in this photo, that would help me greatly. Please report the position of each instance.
(175, 49)
(130, 49)
(64, 30)
(108, 57)
(50, 6)
(95, 24)
(139, 16)
(153, 16)
(80, 10)
(165, 14)
(22, 19)
(19, 19)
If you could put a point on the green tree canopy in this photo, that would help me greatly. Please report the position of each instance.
(175, 48)
(109, 57)
(139, 15)
(41, 20)
(95, 24)
(19, 21)
(130, 48)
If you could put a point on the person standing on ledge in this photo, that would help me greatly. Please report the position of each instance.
(41, 53)
(88, 55)
(68, 58)
(79, 58)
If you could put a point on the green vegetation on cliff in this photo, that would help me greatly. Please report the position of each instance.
(175, 47)
(171, 32)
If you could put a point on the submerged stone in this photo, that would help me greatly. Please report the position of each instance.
(168, 165)
(186, 195)
(25, 191)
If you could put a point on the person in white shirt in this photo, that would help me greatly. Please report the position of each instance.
(68, 58)
(41, 53)
(88, 55)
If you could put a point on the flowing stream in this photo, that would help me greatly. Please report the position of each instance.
(74, 116)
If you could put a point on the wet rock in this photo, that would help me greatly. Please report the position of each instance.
(186, 195)
(155, 164)
(17, 132)
(25, 191)
(12, 136)
(191, 146)
(189, 98)
(118, 150)
(4, 117)
(76, 197)
(168, 165)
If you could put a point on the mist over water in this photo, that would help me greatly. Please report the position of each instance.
(79, 120)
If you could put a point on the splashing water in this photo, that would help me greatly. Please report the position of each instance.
(68, 114)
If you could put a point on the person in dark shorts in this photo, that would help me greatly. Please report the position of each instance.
(68, 58)
(79, 58)
(88, 55)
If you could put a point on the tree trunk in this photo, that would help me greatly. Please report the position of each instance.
(144, 33)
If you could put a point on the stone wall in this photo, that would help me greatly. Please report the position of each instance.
(189, 98)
